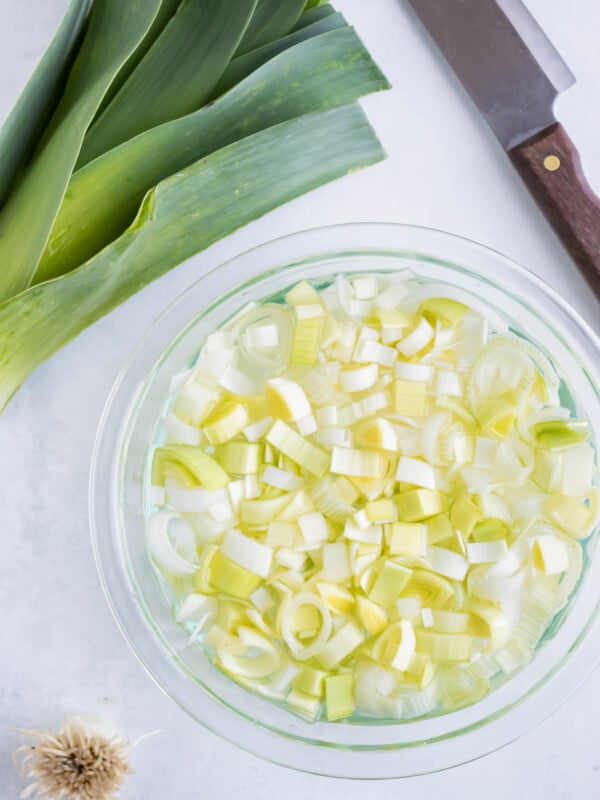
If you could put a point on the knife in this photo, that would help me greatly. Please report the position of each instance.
(514, 74)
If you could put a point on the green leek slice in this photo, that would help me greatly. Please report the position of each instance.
(231, 578)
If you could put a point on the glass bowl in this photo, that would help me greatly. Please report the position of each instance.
(569, 652)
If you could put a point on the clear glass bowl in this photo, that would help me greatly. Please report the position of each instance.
(569, 652)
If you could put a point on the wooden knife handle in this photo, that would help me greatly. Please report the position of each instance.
(551, 167)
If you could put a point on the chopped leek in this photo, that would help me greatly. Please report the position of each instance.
(560, 434)
(383, 543)
(311, 681)
(410, 397)
(297, 448)
(417, 505)
(340, 646)
(389, 583)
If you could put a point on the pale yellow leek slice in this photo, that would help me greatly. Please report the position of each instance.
(357, 463)
(439, 528)
(450, 621)
(339, 601)
(561, 433)
(306, 341)
(303, 294)
(311, 680)
(464, 515)
(225, 421)
(376, 434)
(240, 458)
(305, 705)
(230, 615)
(340, 646)
(299, 449)
(339, 696)
(450, 312)
(430, 589)
(299, 650)
(372, 617)
(491, 623)
(203, 469)
(409, 397)
(571, 514)
(381, 511)
(462, 687)
(536, 614)
(259, 513)
(334, 499)
(417, 505)
(247, 552)
(231, 578)
(396, 646)
(445, 646)
(286, 400)
(336, 562)
(389, 583)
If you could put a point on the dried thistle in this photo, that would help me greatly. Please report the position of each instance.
(84, 761)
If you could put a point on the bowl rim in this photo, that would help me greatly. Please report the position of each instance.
(102, 456)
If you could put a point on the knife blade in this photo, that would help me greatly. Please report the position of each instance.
(514, 75)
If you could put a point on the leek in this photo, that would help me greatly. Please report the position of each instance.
(103, 197)
(311, 681)
(232, 578)
(191, 53)
(24, 126)
(114, 31)
(238, 183)
(241, 66)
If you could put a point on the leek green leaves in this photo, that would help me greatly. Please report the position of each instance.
(115, 30)
(191, 54)
(326, 71)
(177, 123)
(183, 215)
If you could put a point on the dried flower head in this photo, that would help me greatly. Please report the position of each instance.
(84, 761)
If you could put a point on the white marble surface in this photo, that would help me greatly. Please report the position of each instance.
(60, 650)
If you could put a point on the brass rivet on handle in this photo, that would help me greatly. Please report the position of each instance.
(552, 163)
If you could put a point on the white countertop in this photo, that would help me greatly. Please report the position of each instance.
(61, 651)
